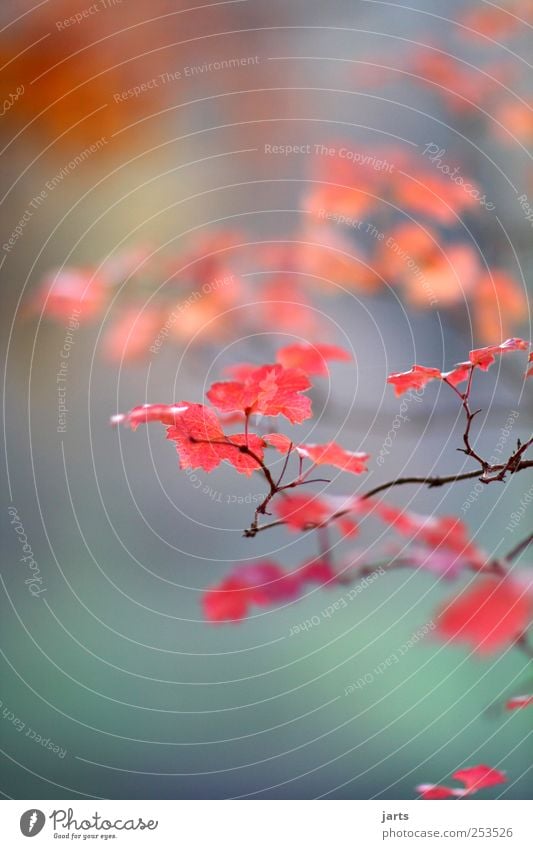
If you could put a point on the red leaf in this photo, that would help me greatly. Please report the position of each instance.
(529, 372)
(415, 378)
(164, 413)
(332, 454)
(229, 601)
(436, 791)
(65, 291)
(488, 616)
(312, 359)
(457, 375)
(303, 512)
(261, 583)
(447, 532)
(268, 390)
(129, 337)
(418, 376)
(197, 432)
(278, 441)
(201, 442)
(477, 777)
(474, 778)
(519, 702)
(484, 357)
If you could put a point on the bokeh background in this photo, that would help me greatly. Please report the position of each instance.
(114, 663)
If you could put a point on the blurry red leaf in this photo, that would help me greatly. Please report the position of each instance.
(332, 454)
(489, 615)
(518, 702)
(312, 359)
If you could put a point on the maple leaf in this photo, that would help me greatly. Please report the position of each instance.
(329, 454)
(415, 378)
(312, 359)
(200, 440)
(332, 454)
(484, 357)
(269, 390)
(488, 616)
(529, 372)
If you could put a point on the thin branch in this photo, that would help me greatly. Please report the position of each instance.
(434, 481)
(519, 548)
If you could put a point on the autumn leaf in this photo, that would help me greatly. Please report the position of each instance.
(485, 357)
(304, 512)
(312, 359)
(332, 454)
(518, 702)
(474, 778)
(488, 616)
(415, 378)
(200, 440)
(261, 584)
(477, 778)
(269, 390)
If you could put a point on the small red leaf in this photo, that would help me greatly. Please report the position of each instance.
(436, 791)
(477, 777)
(415, 378)
(332, 454)
(518, 702)
(312, 359)
(484, 357)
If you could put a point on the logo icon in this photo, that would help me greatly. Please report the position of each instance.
(32, 822)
